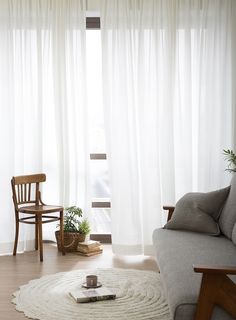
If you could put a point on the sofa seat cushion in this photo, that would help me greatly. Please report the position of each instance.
(176, 253)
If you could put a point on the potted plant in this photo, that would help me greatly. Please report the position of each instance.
(230, 157)
(75, 229)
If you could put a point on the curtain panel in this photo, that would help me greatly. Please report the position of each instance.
(169, 99)
(43, 123)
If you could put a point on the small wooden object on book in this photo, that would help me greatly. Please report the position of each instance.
(92, 295)
(89, 248)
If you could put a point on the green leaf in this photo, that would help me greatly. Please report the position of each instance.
(73, 220)
(230, 157)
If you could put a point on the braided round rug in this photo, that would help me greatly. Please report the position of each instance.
(139, 296)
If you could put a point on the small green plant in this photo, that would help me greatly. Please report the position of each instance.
(84, 227)
(73, 221)
(230, 157)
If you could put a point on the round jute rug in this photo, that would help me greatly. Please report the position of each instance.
(139, 296)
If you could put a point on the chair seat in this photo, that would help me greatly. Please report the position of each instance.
(40, 209)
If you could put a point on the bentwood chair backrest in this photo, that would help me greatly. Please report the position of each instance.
(25, 189)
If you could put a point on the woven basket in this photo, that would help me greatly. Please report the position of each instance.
(71, 240)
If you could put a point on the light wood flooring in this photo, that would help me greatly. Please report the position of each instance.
(18, 270)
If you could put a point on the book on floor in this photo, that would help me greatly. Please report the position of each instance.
(89, 244)
(88, 254)
(86, 250)
(92, 295)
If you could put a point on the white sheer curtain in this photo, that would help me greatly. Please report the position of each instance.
(43, 122)
(169, 95)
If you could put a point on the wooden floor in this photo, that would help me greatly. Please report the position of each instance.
(18, 270)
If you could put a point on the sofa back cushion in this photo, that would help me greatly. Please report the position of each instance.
(228, 215)
(234, 234)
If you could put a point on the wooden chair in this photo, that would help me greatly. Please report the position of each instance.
(216, 287)
(27, 200)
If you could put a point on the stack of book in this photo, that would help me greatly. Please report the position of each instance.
(89, 248)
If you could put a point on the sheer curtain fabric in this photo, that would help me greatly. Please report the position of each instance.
(169, 98)
(43, 123)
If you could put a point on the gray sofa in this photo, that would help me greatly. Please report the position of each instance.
(177, 251)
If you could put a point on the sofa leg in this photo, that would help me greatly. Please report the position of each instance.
(205, 303)
(216, 289)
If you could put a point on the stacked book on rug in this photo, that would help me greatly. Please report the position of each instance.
(89, 248)
(92, 295)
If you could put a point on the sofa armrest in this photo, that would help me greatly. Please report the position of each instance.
(170, 211)
(216, 289)
(214, 269)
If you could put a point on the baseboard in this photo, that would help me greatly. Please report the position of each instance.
(7, 248)
(147, 250)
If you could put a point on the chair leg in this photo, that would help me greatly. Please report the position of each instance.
(16, 238)
(36, 233)
(40, 233)
(62, 233)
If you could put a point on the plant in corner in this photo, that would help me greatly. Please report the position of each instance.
(230, 157)
(75, 229)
